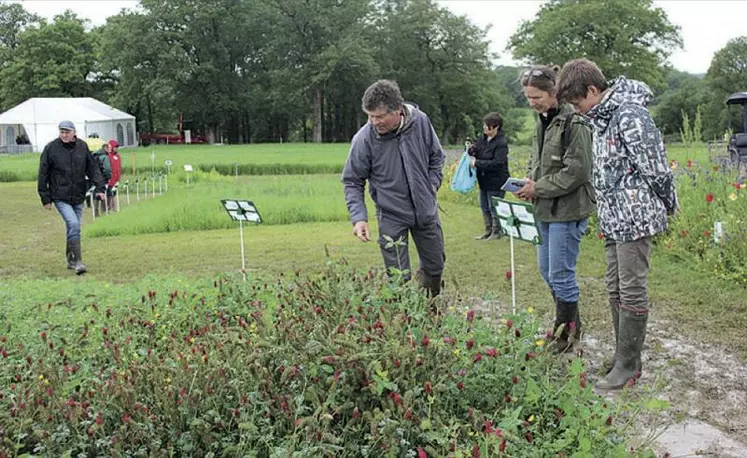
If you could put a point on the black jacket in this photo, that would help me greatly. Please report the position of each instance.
(491, 162)
(63, 168)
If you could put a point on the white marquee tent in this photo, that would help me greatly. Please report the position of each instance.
(37, 119)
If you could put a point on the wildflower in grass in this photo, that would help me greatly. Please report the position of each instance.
(732, 196)
(509, 275)
(600, 235)
(707, 234)
(689, 163)
(470, 315)
(470, 344)
(425, 341)
(421, 453)
(709, 197)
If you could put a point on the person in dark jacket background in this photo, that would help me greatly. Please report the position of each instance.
(490, 160)
(398, 153)
(63, 167)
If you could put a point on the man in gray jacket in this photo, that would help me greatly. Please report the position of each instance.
(399, 154)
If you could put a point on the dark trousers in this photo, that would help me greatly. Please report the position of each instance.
(429, 241)
(486, 201)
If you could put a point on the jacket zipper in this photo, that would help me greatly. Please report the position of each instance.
(407, 180)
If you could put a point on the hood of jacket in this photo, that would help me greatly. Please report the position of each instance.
(621, 91)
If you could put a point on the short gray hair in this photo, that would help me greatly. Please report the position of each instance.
(383, 93)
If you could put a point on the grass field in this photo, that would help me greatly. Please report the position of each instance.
(33, 240)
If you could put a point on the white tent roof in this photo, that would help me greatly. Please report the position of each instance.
(53, 110)
(40, 117)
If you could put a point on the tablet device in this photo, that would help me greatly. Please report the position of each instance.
(513, 184)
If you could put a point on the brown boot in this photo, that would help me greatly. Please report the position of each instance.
(487, 219)
(495, 232)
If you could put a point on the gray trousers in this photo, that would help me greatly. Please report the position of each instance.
(627, 270)
(429, 241)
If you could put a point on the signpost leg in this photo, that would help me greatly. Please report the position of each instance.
(513, 277)
(153, 185)
(243, 259)
(127, 189)
(166, 183)
(137, 191)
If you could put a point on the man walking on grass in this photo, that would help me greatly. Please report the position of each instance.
(63, 167)
(398, 153)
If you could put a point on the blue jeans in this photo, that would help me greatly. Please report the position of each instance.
(72, 215)
(486, 201)
(557, 256)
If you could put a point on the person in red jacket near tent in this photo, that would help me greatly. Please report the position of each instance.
(116, 161)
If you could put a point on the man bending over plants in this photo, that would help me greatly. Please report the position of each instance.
(398, 153)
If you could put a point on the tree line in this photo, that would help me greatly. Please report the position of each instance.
(294, 70)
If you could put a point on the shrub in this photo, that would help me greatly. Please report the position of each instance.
(342, 363)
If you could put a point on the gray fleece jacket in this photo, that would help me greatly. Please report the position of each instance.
(403, 168)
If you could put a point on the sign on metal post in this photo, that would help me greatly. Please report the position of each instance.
(168, 165)
(137, 190)
(242, 210)
(188, 168)
(127, 190)
(517, 221)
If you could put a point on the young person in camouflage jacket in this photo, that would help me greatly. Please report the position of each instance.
(635, 194)
(560, 188)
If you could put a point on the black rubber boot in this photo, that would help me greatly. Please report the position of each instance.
(78, 265)
(567, 330)
(632, 334)
(495, 232)
(615, 309)
(69, 256)
(488, 220)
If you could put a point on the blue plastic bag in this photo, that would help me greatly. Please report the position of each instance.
(465, 177)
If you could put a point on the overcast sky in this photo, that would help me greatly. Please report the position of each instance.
(706, 25)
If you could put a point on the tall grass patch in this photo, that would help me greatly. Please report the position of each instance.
(280, 200)
(258, 159)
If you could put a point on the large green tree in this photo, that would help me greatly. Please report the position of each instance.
(630, 37)
(684, 94)
(726, 74)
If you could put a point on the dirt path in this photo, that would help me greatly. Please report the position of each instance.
(706, 386)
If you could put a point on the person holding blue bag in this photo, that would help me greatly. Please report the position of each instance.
(465, 178)
(489, 158)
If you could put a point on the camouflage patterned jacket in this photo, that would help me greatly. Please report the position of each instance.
(633, 181)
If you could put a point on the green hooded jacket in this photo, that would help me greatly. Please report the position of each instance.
(563, 178)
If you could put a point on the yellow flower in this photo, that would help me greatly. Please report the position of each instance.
(191, 340)
(457, 351)
(530, 419)
(732, 196)
(540, 343)
(41, 377)
(158, 315)
(168, 380)
(530, 310)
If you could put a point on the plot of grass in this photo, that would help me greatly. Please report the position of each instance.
(280, 200)
(257, 159)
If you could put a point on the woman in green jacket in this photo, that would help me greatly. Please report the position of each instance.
(559, 186)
